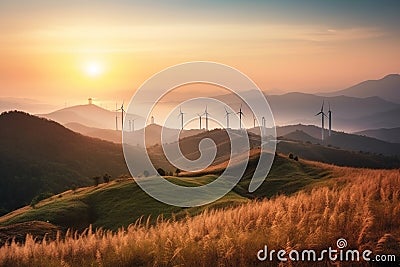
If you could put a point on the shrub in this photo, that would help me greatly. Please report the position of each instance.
(40, 197)
(161, 171)
(106, 178)
(96, 180)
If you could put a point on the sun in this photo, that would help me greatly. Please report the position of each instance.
(94, 68)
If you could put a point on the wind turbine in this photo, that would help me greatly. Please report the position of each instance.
(200, 115)
(206, 114)
(330, 119)
(240, 116)
(227, 117)
(263, 121)
(181, 115)
(323, 115)
(122, 114)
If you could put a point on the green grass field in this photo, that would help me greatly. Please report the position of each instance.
(122, 202)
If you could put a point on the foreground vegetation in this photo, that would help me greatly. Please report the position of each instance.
(121, 202)
(363, 206)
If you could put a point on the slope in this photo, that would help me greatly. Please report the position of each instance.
(122, 202)
(389, 135)
(89, 115)
(387, 88)
(38, 155)
(348, 111)
(347, 141)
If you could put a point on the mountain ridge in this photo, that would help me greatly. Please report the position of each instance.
(387, 88)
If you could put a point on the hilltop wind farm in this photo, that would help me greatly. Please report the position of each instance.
(199, 133)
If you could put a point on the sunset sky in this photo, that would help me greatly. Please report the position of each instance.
(70, 50)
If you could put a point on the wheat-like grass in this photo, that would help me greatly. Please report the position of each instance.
(363, 206)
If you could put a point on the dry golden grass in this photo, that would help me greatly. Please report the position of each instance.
(363, 206)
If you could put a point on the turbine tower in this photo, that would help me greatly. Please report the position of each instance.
(181, 115)
(227, 117)
(200, 115)
(323, 115)
(116, 116)
(130, 125)
(122, 115)
(263, 122)
(206, 114)
(254, 121)
(330, 119)
(240, 116)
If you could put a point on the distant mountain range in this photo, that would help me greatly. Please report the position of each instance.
(387, 88)
(389, 135)
(24, 104)
(368, 105)
(348, 113)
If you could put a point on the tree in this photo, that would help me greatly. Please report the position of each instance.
(96, 180)
(296, 158)
(177, 171)
(40, 197)
(74, 187)
(291, 156)
(161, 171)
(106, 178)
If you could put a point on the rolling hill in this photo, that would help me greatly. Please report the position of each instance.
(122, 202)
(152, 131)
(103, 134)
(298, 142)
(38, 155)
(361, 207)
(89, 115)
(384, 119)
(389, 135)
(387, 88)
(189, 147)
(346, 141)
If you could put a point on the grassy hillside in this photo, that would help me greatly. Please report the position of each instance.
(346, 141)
(38, 155)
(298, 142)
(338, 156)
(121, 202)
(189, 146)
(361, 206)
